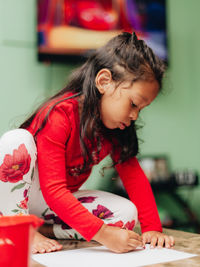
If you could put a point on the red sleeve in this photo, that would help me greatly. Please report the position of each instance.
(51, 142)
(140, 193)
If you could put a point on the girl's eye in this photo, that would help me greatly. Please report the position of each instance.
(133, 105)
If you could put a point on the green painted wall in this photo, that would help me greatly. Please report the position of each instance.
(171, 122)
(24, 81)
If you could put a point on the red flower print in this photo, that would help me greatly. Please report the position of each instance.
(102, 212)
(130, 225)
(64, 226)
(25, 192)
(23, 204)
(57, 220)
(49, 217)
(117, 224)
(15, 166)
(86, 199)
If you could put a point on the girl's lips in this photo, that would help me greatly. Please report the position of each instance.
(122, 126)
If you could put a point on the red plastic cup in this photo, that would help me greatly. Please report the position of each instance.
(16, 235)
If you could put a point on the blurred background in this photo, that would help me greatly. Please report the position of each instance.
(39, 49)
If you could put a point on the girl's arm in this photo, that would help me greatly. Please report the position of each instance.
(140, 193)
(51, 146)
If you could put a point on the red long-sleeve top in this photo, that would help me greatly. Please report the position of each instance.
(59, 156)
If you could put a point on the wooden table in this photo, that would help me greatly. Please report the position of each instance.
(187, 242)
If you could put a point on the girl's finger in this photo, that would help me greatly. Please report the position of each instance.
(134, 235)
(131, 248)
(144, 240)
(161, 240)
(153, 243)
(147, 238)
(135, 243)
(167, 241)
(172, 241)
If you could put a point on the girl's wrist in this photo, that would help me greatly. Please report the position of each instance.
(100, 234)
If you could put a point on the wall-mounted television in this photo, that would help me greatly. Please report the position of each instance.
(71, 29)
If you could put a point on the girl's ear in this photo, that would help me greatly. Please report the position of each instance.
(103, 80)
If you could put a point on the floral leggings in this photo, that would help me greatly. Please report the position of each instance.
(20, 189)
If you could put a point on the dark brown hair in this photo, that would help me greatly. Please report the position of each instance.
(125, 56)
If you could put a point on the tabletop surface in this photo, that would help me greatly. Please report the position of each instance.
(184, 241)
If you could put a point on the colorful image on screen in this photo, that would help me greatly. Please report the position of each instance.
(75, 27)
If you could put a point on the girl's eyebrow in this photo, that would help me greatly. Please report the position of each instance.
(144, 98)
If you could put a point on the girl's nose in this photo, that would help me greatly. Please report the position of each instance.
(134, 115)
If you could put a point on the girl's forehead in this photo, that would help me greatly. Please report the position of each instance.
(144, 90)
(139, 84)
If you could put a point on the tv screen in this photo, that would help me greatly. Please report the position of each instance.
(71, 29)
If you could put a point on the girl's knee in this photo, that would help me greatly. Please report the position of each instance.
(131, 210)
(16, 134)
(14, 139)
(18, 156)
(17, 166)
(127, 211)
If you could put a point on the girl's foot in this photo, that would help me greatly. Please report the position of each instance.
(42, 244)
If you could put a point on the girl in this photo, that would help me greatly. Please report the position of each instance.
(92, 117)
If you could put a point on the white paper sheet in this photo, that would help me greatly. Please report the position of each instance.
(101, 256)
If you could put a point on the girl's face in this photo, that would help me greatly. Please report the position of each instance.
(121, 104)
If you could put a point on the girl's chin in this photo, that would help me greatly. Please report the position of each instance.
(110, 127)
(114, 127)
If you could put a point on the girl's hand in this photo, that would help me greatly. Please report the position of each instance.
(158, 239)
(118, 240)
